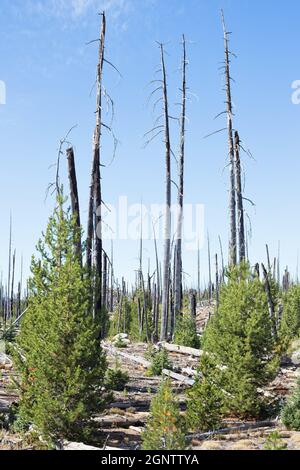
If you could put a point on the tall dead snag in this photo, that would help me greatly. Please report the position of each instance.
(232, 194)
(157, 290)
(94, 232)
(198, 273)
(12, 285)
(222, 259)
(178, 264)
(239, 196)
(167, 231)
(217, 284)
(210, 286)
(74, 198)
(8, 304)
(193, 303)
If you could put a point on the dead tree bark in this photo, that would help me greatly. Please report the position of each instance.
(193, 304)
(268, 258)
(232, 193)
(240, 203)
(178, 264)
(167, 232)
(74, 200)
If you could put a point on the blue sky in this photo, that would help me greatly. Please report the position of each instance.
(49, 73)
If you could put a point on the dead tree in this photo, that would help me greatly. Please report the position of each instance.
(94, 231)
(239, 197)
(198, 273)
(112, 279)
(222, 259)
(210, 286)
(178, 263)
(268, 258)
(217, 284)
(232, 192)
(12, 285)
(104, 278)
(193, 304)
(74, 199)
(8, 304)
(167, 231)
(157, 290)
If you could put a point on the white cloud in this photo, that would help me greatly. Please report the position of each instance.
(78, 8)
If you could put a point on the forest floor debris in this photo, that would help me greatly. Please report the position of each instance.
(122, 424)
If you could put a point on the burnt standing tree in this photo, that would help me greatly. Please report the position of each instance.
(167, 231)
(74, 197)
(178, 250)
(232, 193)
(94, 231)
(240, 203)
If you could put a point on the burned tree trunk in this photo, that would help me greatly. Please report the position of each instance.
(95, 199)
(178, 263)
(222, 259)
(104, 284)
(193, 303)
(232, 193)
(210, 287)
(240, 204)
(217, 284)
(74, 199)
(167, 232)
(198, 273)
(12, 285)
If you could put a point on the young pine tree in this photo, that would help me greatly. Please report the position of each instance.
(205, 400)
(290, 323)
(165, 429)
(291, 412)
(240, 341)
(60, 361)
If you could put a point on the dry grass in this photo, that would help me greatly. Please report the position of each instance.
(243, 444)
(211, 445)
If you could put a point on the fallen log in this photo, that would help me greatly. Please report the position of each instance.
(147, 364)
(179, 377)
(116, 421)
(242, 427)
(80, 446)
(182, 349)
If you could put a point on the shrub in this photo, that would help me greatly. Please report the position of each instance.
(290, 415)
(186, 332)
(120, 344)
(159, 360)
(58, 354)
(116, 380)
(274, 442)
(205, 404)
(290, 323)
(240, 342)
(165, 428)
